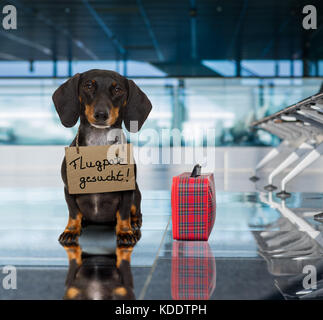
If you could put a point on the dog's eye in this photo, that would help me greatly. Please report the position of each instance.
(88, 85)
(117, 90)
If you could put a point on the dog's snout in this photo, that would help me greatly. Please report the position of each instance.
(101, 116)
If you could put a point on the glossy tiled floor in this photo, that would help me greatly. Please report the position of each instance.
(257, 250)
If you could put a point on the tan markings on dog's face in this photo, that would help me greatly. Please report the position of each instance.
(89, 113)
(113, 116)
(125, 103)
(123, 254)
(120, 291)
(72, 293)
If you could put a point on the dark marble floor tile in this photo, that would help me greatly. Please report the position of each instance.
(227, 279)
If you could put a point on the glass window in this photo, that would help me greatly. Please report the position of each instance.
(195, 105)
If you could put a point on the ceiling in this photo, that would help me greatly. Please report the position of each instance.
(163, 32)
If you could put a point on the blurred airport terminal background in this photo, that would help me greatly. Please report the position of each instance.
(204, 64)
(28, 116)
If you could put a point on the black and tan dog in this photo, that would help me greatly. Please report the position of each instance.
(102, 100)
(98, 277)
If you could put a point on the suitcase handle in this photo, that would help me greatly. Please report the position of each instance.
(196, 171)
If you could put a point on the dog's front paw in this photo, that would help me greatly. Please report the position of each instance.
(136, 224)
(69, 238)
(127, 239)
(136, 230)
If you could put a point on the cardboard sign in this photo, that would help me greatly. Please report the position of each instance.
(97, 169)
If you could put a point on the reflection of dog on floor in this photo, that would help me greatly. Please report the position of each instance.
(102, 100)
(98, 277)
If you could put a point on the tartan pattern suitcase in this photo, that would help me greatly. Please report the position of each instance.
(193, 271)
(193, 206)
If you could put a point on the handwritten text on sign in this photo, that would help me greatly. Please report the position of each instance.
(97, 169)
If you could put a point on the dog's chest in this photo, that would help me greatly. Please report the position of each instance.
(99, 137)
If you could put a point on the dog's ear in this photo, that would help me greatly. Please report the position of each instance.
(66, 101)
(137, 108)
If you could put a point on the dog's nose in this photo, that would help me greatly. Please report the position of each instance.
(101, 116)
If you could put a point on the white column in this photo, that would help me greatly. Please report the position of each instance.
(295, 155)
(307, 161)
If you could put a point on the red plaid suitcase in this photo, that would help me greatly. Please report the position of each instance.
(193, 271)
(193, 205)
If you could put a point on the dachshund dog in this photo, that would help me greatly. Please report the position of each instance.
(98, 277)
(102, 100)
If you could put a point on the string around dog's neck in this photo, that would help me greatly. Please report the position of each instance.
(77, 141)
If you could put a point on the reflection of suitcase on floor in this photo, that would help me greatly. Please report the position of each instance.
(193, 205)
(193, 271)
